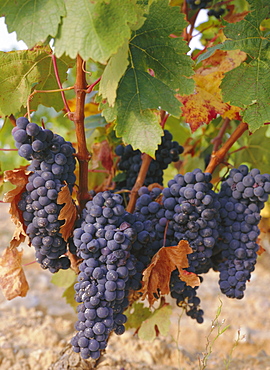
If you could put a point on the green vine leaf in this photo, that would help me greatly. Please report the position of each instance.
(22, 71)
(136, 315)
(248, 87)
(158, 67)
(160, 319)
(114, 70)
(246, 35)
(96, 29)
(255, 150)
(33, 21)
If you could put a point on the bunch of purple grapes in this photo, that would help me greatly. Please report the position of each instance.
(108, 271)
(52, 165)
(242, 196)
(130, 162)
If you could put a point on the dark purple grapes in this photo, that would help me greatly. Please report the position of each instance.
(40, 213)
(168, 151)
(107, 272)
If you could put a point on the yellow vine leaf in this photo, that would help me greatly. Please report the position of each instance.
(206, 102)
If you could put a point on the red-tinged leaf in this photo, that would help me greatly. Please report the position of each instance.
(19, 178)
(190, 278)
(12, 278)
(67, 213)
(232, 17)
(156, 278)
(206, 102)
(102, 153)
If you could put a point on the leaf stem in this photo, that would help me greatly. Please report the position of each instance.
(218, 156)
(192, 22)
(42, 91)
(59, 82)
(83, 155)
(90, 87)
(206, 47)
(185, 11)
(163, 118)
(8, 150)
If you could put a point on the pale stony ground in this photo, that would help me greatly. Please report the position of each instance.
(35, 330)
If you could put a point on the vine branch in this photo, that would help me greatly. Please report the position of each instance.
(218, 139)
(218, 156)
(83, 155)
(146, 160)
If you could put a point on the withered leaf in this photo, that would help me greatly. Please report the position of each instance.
(102, 153)
(189, 278)
(157, 275)
(18, 236)
(19, 178)
(67, 213)
(12, 278)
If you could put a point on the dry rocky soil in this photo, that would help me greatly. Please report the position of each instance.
(35, 330)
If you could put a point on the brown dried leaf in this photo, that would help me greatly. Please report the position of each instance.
(156, 278)
(19, 178)
(102, 153)
(12, 278)
(18, 236)
(189, 278)
(67, 213)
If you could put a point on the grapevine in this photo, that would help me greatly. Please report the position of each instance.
(174, 139)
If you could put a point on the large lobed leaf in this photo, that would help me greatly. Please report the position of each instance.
(248, 86)
(22, 71)
(35, 20)
(158, 66)
(96, 29)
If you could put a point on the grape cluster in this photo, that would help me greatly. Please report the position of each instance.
(130, 163)
(221, 228)
(189, 211)
(198, 4)
(109, 270)
(52, 165)
(242, 196)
